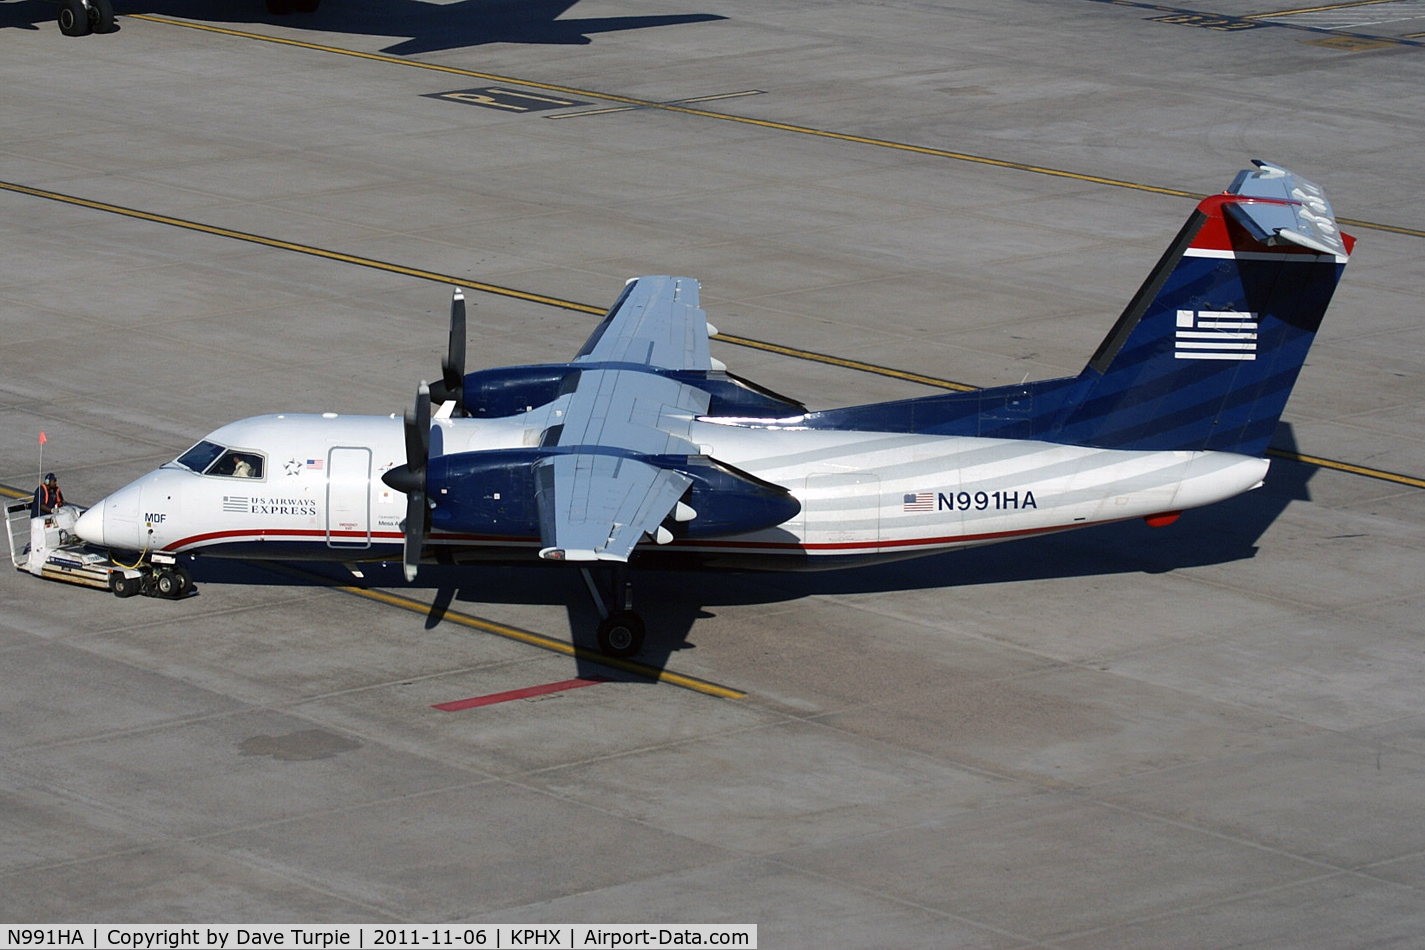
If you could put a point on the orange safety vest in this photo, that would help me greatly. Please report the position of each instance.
(43, 499)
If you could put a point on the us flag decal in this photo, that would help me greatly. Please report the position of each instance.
(920, 501)
(1216, 335)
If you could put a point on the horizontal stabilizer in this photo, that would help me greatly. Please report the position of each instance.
(1294, 211)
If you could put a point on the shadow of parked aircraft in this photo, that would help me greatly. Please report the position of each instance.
(428, 27)
(672, 602)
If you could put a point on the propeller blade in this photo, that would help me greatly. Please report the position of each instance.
(416, 512)
(418, 430)
(411, 480)
(452, 365)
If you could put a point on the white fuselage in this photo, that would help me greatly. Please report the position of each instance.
(863, 495)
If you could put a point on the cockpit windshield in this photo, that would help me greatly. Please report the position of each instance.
(209, 458)
(200, 456)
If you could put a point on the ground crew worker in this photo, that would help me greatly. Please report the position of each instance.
(48, 497)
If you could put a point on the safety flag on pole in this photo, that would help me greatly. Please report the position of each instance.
(43, 440)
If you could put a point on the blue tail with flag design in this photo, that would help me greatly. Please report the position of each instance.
(1203, 358)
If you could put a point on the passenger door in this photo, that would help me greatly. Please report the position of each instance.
(349, 498)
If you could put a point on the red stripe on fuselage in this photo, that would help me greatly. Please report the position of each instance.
(273, 534)
(730, 546)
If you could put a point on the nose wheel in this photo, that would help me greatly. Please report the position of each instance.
(621, 630)
(172, 583)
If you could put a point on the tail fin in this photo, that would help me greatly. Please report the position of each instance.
(1204, 356)
(1208, 350)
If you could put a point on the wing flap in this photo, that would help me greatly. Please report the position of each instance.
(595, 507)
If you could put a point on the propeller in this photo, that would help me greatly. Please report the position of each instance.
(410, 480)
(451, 384)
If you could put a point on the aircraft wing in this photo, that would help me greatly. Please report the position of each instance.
(598, 507)
(598, 491)
(656, 322)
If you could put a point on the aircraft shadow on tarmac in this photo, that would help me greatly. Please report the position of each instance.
(672, 602)
(429, 26)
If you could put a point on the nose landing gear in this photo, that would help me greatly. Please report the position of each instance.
(171, 583)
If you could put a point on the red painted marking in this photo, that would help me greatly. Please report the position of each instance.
(849, 547)
(1221, 233)
(525, 693)
(302, 534)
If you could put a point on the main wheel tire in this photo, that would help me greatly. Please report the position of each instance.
(280, 7)
(123, 585)
(74, 18)
(621, 634)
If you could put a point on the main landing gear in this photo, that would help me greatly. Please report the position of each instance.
(82, 17)
(621, 630)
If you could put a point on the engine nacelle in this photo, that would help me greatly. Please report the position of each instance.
(484, 493)
(730, 501)
(492, 493)
(510, 390)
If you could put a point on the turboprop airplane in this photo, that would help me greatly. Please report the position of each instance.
(644, 450)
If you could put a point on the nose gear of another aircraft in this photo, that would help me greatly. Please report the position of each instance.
(82, 17)
(410, 479)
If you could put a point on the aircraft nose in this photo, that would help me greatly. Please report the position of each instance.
(114, 522)
(90, 526)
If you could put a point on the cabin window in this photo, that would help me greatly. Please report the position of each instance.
(238, 464)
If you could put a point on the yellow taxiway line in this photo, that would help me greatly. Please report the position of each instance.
(684, 109)
(248, 236)
(489, 626)
(1318, 9)
(514, 293)
(843, 362)
(551, 644)
(1353, 469)
(527, 637)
